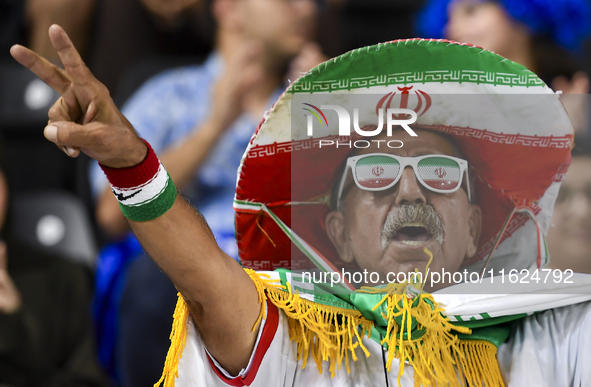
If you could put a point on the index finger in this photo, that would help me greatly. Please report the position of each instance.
(73, 63)
(45, 70)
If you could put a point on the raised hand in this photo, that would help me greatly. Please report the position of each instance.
(84, 118)
(241, 72)
(214, 285)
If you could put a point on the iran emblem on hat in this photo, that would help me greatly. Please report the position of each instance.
(423, 101)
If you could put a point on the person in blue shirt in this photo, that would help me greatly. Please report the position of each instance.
(199, 119)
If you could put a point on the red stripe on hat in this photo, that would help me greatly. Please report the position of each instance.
(137, 175)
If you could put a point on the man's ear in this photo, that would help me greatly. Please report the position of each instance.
(475, 225)
(337, 232)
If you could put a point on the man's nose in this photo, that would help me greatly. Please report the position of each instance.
(409, 189)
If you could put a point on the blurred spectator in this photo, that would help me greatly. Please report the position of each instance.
(199, 119)
(27, 21)
(544, 36)
(46, 335)
(132, 33)
(569, 236)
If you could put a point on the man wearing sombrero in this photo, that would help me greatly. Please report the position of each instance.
(492, 188)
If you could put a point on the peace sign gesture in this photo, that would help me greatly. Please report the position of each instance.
(84, 118)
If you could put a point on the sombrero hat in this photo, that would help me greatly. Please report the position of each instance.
(506, 122)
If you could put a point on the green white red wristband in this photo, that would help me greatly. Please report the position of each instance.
(144, 191)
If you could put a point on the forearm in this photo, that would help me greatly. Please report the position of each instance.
(179, 240)
(181, 243)
(221, 296)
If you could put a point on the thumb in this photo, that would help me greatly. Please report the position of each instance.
(69, 135)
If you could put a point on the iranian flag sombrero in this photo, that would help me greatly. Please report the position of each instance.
(506, 122)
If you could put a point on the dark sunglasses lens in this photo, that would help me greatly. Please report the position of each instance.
(440, 173)
(376, 171)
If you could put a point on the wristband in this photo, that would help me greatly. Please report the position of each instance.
(144, 191)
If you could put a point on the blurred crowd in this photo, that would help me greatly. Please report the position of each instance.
(80, 303)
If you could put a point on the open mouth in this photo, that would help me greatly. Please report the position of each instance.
(412, 234)
(412, 225)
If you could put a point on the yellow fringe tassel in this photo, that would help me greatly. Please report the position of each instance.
(330, 332)
(422, 338)
(178, 336)
(332, 335)
(479, 365)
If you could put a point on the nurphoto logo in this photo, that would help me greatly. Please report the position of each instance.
(392, 110)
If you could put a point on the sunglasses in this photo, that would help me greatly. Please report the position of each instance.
(381, 171)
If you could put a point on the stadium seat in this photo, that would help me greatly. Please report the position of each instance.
(56, 222)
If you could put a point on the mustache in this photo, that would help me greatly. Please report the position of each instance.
(423, 215)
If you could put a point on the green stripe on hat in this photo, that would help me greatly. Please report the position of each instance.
(431, 60)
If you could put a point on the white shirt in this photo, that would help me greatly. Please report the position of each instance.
(552, 348)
